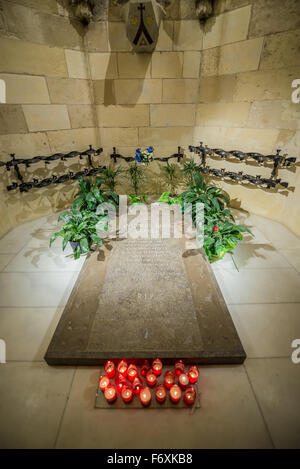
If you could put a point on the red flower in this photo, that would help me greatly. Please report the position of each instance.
(215, 228)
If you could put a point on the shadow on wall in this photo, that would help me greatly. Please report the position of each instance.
(130, 66)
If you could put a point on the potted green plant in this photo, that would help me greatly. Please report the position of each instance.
(91, 195)
(137, 199)
(110, 175)
(168, 199)
(171, 176)
(189, 169)
(80, 230)
(221, 234)
(137, 177)
(222, 238)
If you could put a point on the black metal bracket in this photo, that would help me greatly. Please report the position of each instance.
(116, 155)
(24, 186)
(279, 161)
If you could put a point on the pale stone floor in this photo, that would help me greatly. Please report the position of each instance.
(255, 405)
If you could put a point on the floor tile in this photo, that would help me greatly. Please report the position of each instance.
(249, 256)
(255, 237)
(27, 332)
(267, 330)
(280, 236)
(293, 257)
(17, 238)
(276, 383)
(41, 238)
(32, 400)
(4, 260)
(42, 259)
(259, 285)
(229, 417)
(36, 289)
(225, 263)
(51, 222)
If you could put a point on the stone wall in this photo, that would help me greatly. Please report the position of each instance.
(249, 59)
(227, 83)
(49, 104)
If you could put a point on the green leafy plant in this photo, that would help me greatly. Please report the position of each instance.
(189, 169)
(221, 234)
(91, 195)
(80, 228)
(168, 199)
(222, 238)
(213, 198)
(137, 199)
(171, 175)
(110, 175)
(136, 175)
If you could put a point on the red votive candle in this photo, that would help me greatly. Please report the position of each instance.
(157, 366)
(169, 379)
(183, 380)
(145, 368)
(179, 367)
(120, 382)
(103, 382)
(193, 374)
(127, 393)
(137, 386)
(151, 378)
(175, 393)
(122, 368)
(160, 393)
(145, 396)
(132, 372)
(189, 395)
(110, 393)
(110, 369)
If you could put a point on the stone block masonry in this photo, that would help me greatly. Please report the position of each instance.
(226, 82)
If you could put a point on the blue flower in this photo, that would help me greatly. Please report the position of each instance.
(138, 155)
(150, 149)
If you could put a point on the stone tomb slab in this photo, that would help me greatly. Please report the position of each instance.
(145, 298)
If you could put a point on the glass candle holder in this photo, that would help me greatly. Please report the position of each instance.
(175, 393)
(137, 386)
(189, 395)
(145, 368)
(157, 366)
(122, 368)
(169, 379)
(132, 372)
(127, 393)
(179, 367)
(103, 382)
(110, 394)
(120, 382)
(145, 396)
(193, 374)
(183, 380)
(151, 378)
(160, 393)
(110, 369)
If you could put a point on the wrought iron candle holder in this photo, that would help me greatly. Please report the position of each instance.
(25, 186)
(177, 155)
(278, 161)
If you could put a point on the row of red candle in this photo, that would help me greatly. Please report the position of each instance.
(151, 374)
(151, 377)
(127, 392)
